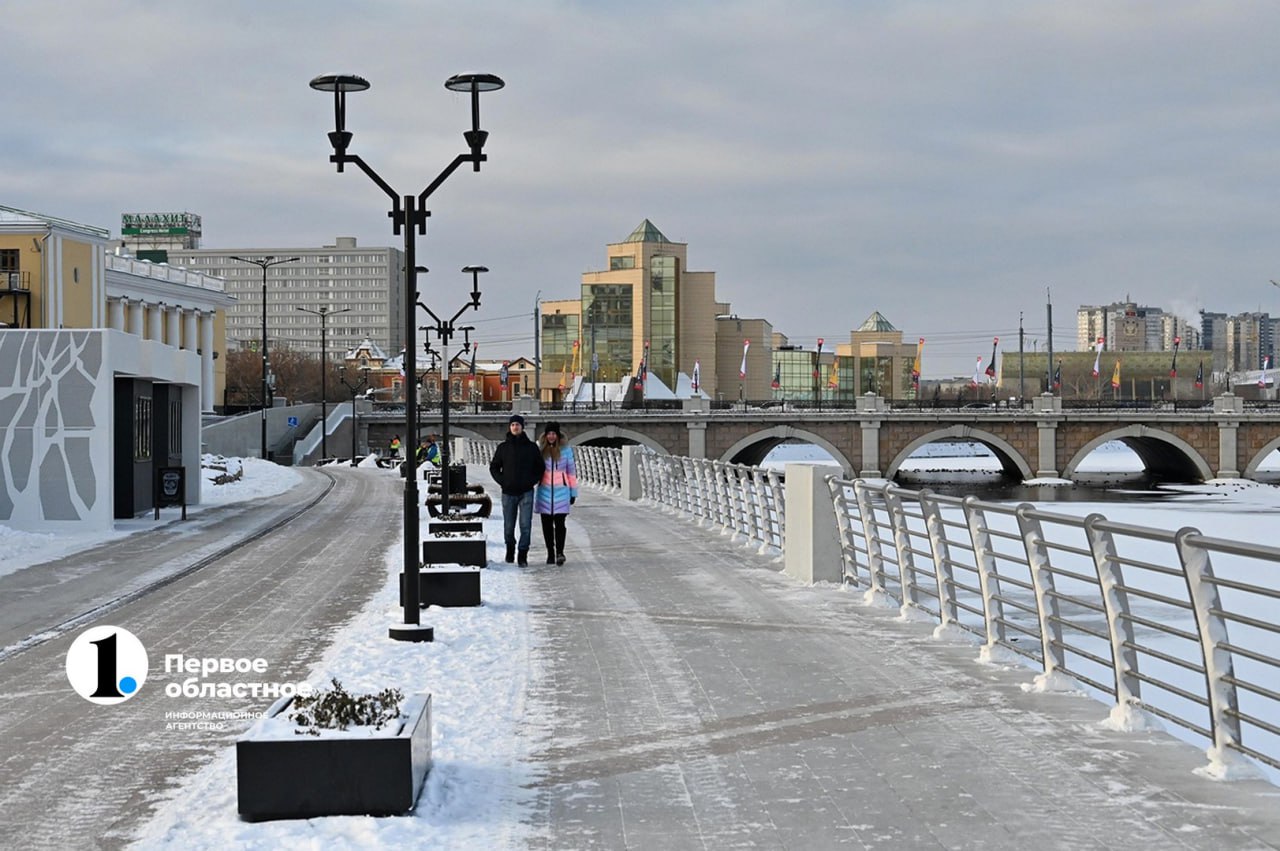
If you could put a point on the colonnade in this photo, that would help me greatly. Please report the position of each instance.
(177, 326)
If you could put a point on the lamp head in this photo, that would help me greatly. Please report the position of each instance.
(339, 84)
(475, 84)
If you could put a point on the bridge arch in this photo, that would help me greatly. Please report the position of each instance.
(1250, 470)
(614, 435)
(1011, 461)
(752, 449)
(1165, 455)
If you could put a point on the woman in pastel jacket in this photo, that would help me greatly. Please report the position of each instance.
(557, 491)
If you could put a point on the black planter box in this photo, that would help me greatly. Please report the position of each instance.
(455, 477)
(306, 776)
(455, 551)
(446, 587)
(434, 526)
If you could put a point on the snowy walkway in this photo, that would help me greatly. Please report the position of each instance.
(701, 699)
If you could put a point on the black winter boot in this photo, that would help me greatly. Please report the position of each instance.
(511, 553)
(522, 558)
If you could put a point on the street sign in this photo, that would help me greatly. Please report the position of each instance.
(293, 422)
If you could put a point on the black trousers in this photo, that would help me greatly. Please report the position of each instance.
(553, 532)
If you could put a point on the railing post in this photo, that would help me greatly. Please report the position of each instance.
(902, 545)
(778, 509)
(1046, 599)
(948, 610)
(984, 560)
(1124, 659)
(844, 524)
(877, 594)
(811, 552)
(1224, 715)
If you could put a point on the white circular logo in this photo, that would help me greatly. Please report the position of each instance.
(107, 664)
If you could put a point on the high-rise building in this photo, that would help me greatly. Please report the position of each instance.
(367, 284)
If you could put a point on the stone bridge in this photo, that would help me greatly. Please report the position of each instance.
(1221, 440)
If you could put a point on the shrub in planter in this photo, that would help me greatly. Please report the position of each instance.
(335, 754)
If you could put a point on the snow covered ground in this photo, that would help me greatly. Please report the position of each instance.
(478, 671)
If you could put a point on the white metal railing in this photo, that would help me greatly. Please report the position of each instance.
(597, 465)
(1179, 624)
(743, 501)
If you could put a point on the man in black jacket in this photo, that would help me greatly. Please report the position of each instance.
(517, 467)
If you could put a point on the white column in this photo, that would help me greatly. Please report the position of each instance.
(155, 322)
(173, 334)
(206, 361)
(811, 546)
(115, 313)
(189, 329)
(135, 318)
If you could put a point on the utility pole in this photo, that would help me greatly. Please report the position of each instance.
(537, 356)
(1049, 308)
(1022, 364)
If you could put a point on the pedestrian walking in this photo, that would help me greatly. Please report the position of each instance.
(395, 446)
(517, 468)
(557, 490)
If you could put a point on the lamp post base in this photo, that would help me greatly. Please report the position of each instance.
(412, 632)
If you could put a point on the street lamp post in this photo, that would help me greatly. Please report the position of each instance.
(408, 213)
(444, 330)
(265, 263)
(324, 313)
(355, 415)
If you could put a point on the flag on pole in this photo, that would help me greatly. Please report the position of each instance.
(977, 373)
(1200, 376)
(1115, 377)
(742, 370)
(991, 367)
(777, 376)
(1057, 376)
(1097, 358)
(817, 362)
(402, 363)
(1173, 368)
(915, 369)
(697, 374)
(833, 379)
(1262, 376)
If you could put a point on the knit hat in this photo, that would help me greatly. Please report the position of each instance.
(552, 426)
(516, 418)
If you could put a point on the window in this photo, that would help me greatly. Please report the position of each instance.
(8, 259)
(142, 428)
(628, 262)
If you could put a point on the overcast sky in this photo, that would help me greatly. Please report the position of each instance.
(946, 163)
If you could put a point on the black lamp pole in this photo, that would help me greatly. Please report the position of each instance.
(265, 262)
(444, 329)
(324, 312)
(355, 415)
(408, 213)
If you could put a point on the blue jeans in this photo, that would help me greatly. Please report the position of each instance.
(511, 504)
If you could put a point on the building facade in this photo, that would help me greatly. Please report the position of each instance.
(648, 307)
(366, 284)
(106, 363)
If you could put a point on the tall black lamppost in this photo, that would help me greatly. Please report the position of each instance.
(265, 262)
(324, 313)
(444, 329)
(408, 213)
(355, 414)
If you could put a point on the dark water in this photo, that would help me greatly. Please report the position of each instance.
(1094, 487)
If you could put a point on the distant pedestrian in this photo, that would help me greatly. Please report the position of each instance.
(557, 490)
(517, 468)
(395, 446)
